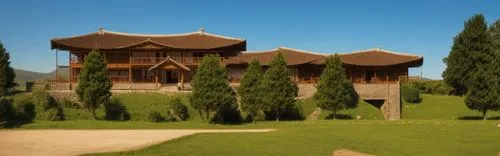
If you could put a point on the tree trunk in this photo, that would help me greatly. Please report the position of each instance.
(208, 114)
(277, 115)
(334, 115)
(93, 114)
(201, 114)
(484, 114)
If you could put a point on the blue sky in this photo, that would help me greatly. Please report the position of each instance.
(424, 27)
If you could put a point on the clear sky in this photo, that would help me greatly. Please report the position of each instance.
(423, 27)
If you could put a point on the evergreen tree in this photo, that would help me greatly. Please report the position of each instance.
(334, 91)
(94, 86)
(482, 96)
(7, 74)
(250, 90)
(471, 49)
(279, 91)
(495, 64)
(211, 90)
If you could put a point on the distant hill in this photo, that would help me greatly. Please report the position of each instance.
(23, 76)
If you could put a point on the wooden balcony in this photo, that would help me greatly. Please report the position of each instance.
(114, 79)
(155, 60)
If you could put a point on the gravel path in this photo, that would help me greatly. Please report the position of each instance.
(75, 142)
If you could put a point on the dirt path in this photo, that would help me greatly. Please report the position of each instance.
(75, 142)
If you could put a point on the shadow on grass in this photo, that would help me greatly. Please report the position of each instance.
(478, 118)
(339, 116)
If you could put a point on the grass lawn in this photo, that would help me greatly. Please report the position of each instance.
(322, 137)
(441, 107)
(428, 128)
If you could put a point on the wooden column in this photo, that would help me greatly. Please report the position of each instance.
(387, 76)
(130, 67)
(182, 80)
(156, 78)
(57, 66)
(70, 75)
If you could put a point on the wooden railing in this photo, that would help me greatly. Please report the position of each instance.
(114, 79)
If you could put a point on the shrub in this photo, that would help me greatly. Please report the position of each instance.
(67, 103)
(7, 112)
(410, 94)
(178, 110)
(290, 112)
(25, 108)
(54, 114)
(155, 116)
(42, 98)
(438, 87)
(115, 110)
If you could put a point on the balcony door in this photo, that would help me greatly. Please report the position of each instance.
(369, 74)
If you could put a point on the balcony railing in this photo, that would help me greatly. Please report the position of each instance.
(114, 79)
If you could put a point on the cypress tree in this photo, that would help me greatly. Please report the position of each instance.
(483, 91)
(471, 49)
(94, 85)
(334, 91)
(211, 90)
(7, 74)
(250, 90)
(278, 89)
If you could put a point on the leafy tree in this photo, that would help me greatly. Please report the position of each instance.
(250, 90)
(94, 86)
(279, 91)
(7, 74)
(481, 95)
(211, 91)
(471, 49)
(334, 91)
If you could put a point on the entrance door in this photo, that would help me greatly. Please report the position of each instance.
(171, 76)
(369, 75)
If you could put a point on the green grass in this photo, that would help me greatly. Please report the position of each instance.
(440, 107)
(418, 137)
(416, 134)
(365, 110)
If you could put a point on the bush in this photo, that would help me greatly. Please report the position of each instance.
(436, 87)
(410, 94)
(290, 112)
(42, 98)
(115, 110)
(178, 110)
(67, 103)
(155, 116)
(54, 114)
(25, 108)
(7, 112)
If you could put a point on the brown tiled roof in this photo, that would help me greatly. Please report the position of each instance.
(292, 56)
(371, 57)
(107, 40)
(380, 57)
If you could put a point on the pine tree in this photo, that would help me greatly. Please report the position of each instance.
(484, 86)
(482, 96)
(279, 91)
(471, 49)
(211, 90)
(334, 91)
(250, 90)
(94, 85)
(7, 74)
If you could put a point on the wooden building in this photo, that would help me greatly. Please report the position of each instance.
(173, 59)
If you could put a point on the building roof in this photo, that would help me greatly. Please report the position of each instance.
(109, 40)
(370, 57)
(293, 56)
(380, 57)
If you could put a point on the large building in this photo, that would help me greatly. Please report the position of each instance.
(173, 58)
(151, 61)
